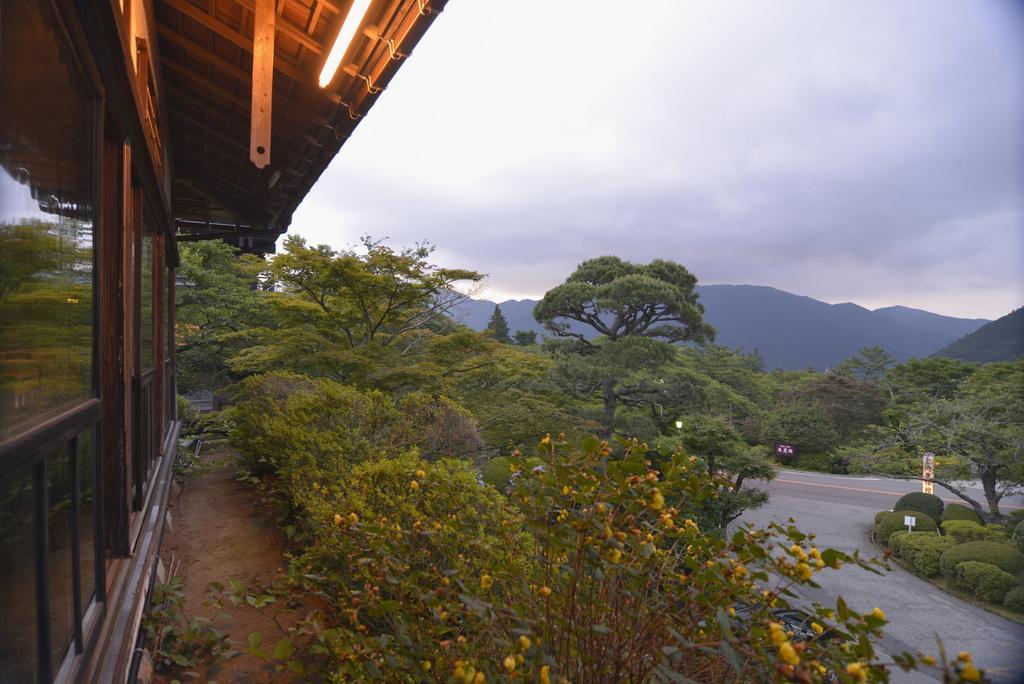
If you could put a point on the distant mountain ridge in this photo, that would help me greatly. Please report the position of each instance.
(1000, 340)
(789, 331)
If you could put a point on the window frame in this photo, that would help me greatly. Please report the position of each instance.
(28, 451)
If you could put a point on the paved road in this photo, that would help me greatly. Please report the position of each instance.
(840, 510)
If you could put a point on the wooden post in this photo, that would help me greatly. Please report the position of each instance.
(262, 82)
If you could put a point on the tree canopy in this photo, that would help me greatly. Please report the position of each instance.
(638, 311)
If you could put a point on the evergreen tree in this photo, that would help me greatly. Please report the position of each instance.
(525, 338)
(498, 325)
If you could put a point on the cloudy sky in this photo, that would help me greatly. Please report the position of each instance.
(870, 152)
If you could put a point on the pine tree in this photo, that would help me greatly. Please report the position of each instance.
(498, 325)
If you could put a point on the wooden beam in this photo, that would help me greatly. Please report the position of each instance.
(190, 46)
(285, 27)
(262, 110)
(219, 90)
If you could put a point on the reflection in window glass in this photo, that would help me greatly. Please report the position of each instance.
(17, 582)
(87, 517)
(147, 301)
(46, 211)
(62, 616)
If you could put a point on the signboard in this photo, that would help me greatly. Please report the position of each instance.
(909, 521)
(928, 472)
(785, 452)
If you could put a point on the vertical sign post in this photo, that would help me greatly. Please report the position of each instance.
(928, 472)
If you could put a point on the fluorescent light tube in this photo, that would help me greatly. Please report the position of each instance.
(353, 19)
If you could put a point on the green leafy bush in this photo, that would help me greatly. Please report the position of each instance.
(960, 512)
(922, 551)
(1018, 536)
(496, 472)
(1003, 556)
(299, 426)
(421, 570)
(1014, 599)
(988, 582)
(920, 501)
(964, 531)
(890, 522)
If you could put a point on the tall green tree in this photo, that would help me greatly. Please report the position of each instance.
(868, 365)
(637, 312)
(353, 315)
(498, 325)
(976, 433)
(725, 456)
(218, 297)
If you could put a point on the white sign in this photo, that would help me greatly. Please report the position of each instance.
(909, 521)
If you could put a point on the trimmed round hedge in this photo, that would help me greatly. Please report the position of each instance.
(1014, 599)
(1003, 556)
(960, 512)
(985, 580)
(892, 521)
(919, 501)
(1017, 538)
(922, 551)
(964, 531)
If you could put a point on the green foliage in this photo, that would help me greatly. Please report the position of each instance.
(216, 299)
(638, 311)
(1001, 555)
(868, 365)
(803, 424)
(305, 427)
(718, 448)
(922, 551)
(851, 405)
(834, 462)
(921, 501)
(524, 338)
(177, 642)
(955, 511)
(967, 530)
(889, 522)
(1017, 537)
(497, 472)
(972, 419)
(498, 325)
(988, 582)
(445, 579)
(1014, 599)
(362, 317)
(187, 413)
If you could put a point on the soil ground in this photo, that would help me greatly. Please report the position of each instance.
(220, 530)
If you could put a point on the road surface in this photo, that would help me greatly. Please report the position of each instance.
(840, 509)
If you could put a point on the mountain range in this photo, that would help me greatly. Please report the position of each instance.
(789, 331)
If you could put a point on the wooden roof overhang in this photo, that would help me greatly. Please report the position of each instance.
(206, 59)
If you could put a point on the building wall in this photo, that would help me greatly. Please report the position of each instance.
(87, 416)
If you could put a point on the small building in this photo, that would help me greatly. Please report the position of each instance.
(127, 126)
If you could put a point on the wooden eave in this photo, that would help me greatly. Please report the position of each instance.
(206, 64)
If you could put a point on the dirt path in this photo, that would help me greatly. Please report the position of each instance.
(221, 530)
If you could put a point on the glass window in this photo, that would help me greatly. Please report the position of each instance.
(47, 131)
(59, 529)
(87, 517)
(17, 582)
(146, 293)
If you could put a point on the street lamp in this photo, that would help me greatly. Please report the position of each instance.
(679, 423)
